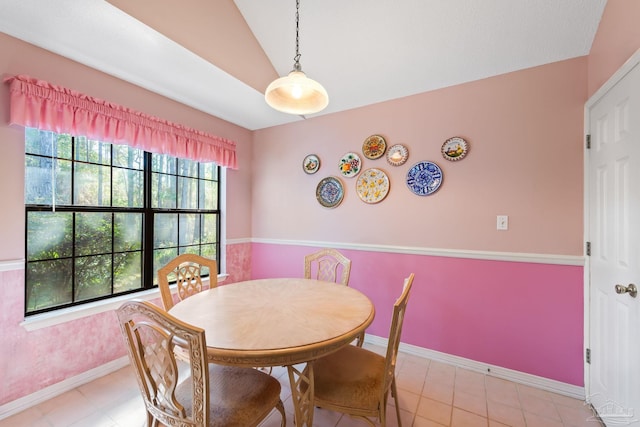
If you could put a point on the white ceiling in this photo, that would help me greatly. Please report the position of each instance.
(361, 51)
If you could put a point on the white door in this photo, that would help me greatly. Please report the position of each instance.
(613, 227)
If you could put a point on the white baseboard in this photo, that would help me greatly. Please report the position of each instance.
(54, 390)
(495, 371)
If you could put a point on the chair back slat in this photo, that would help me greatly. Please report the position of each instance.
(328, 265)
(186, 271)
(395, 332)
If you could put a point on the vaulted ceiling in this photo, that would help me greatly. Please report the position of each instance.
(219, 55)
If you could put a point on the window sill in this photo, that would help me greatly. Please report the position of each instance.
(45, 320)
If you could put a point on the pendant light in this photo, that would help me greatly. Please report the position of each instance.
(296, 93)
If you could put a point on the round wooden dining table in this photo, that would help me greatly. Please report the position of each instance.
(278, 322)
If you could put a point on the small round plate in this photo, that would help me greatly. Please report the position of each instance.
(330, 192)
(455, 149)
(397, 155)
(424, 178)
(311, 164)
(350, 165)
(372, 185)
(374, 147)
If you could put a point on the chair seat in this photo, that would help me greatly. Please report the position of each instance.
(351, 378)
(240, 396)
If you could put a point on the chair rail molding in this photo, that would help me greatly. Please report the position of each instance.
(451, 253)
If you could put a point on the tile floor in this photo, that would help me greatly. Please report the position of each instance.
(432, 394)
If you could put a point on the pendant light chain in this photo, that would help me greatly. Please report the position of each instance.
(296, 58)
(296, 93)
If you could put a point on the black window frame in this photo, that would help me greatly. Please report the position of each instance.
(148, 213)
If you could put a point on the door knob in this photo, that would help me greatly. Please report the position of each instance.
(631, 290)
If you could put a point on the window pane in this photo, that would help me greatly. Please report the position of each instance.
(163, 194)
(92, 185)
(208, 195)
(39, 176)
(127, 271)
(163, 163)
(160, 258)
(209, 227)
(93, 277)
(48, 284)
(187, 193)
(128, 157)
(49, 235)
(47, 143)
(189, 229)
(187, 167)
(128, 188)
(88, 150)
(208, 251)
(165, 230)
(93, 233)
(127, 232)
(209, 171)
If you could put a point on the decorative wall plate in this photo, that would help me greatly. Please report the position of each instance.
(397, 155)
(455, 148)
(424, 178)
(350, 165)
(330, 192)
(372, 185)
(374, 147)
(311, 164)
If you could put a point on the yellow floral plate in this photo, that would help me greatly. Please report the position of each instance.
(372, 185)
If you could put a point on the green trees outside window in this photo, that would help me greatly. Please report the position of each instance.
(101, 219)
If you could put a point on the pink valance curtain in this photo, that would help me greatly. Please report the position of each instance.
(39, 104)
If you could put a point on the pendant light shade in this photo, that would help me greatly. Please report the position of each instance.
(296, 93)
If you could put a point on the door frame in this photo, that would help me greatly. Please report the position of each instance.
(632, 62)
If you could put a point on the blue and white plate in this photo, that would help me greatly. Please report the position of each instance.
(424, 178)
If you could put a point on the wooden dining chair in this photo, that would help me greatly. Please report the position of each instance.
(210, 395)
(328, 265)
(357, 381)
(331, 266)
(186, 270)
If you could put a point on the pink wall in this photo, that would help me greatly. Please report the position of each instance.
(525, 161)
(522, 316)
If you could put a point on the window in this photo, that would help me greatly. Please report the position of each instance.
(101, 219)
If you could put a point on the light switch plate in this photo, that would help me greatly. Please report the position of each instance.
(502, 222)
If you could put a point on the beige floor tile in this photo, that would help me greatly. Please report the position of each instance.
(461, 418)
(435, 411)
(31, 417)
(431, 394)
(539, 421)
(424, 422)
(576, 416)
(408, 401)
(470, 403)
(442, 392)
(539, 406)
(505, 414)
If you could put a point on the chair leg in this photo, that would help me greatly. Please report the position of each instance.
(360, 340)
(394, 393)
(280, 408)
